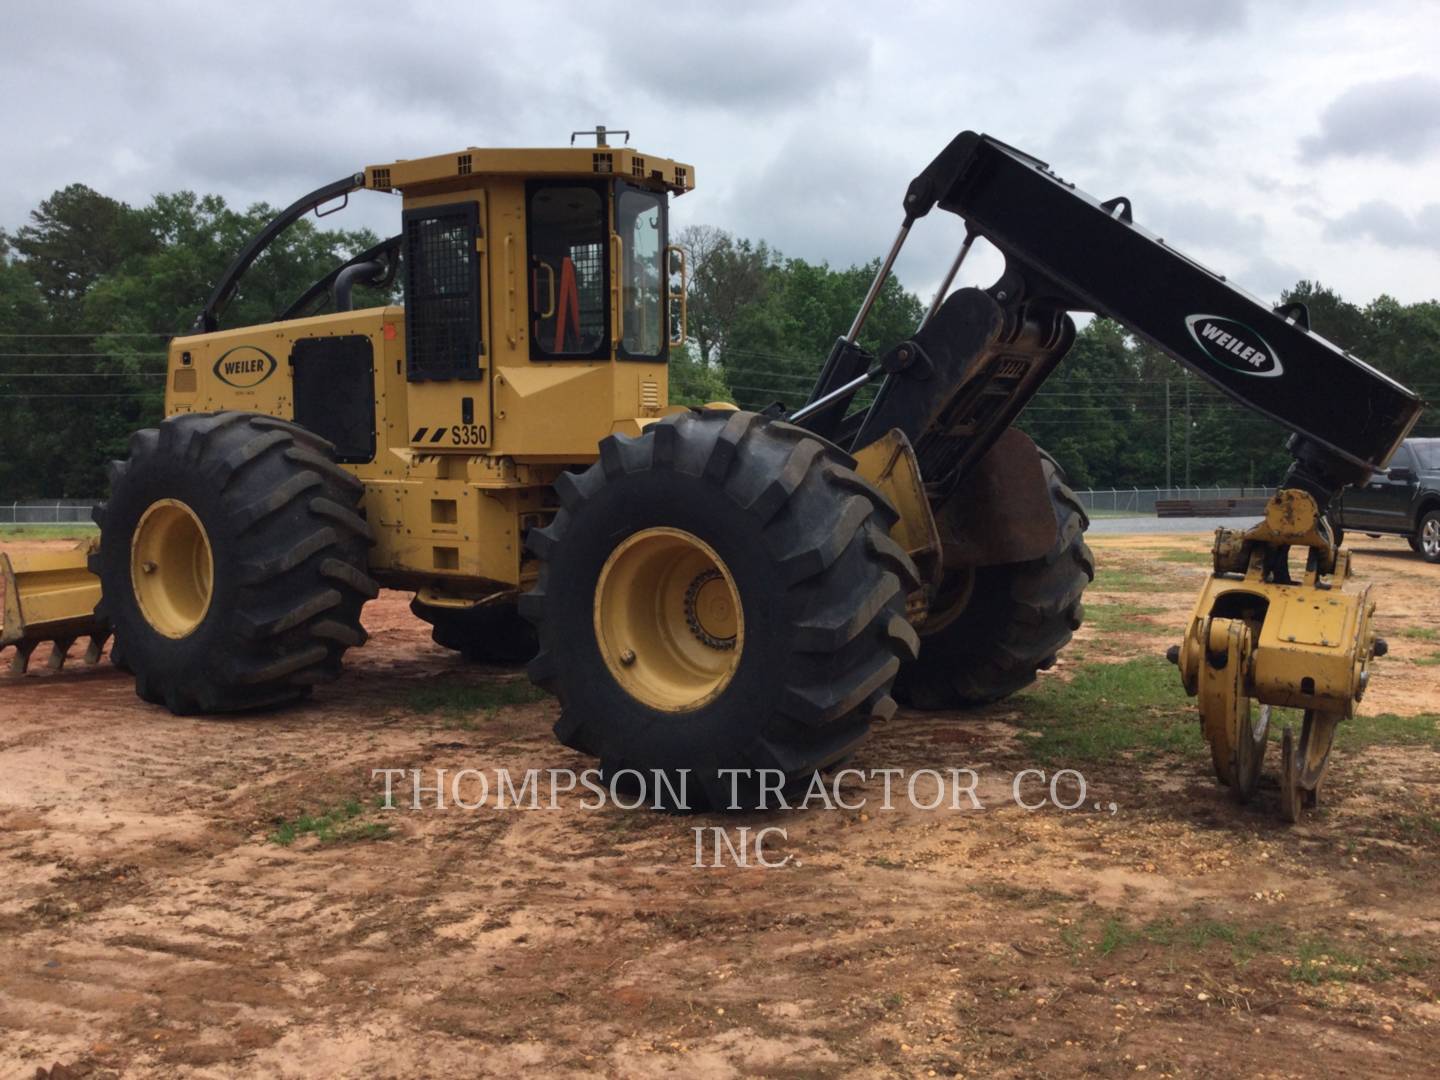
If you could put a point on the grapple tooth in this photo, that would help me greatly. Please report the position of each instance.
(21, 660)
(96, 647)
(59, 650)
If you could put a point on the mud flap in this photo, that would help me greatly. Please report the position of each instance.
(1008, 515)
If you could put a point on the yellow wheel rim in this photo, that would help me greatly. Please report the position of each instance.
(172, 568)
(668, 619)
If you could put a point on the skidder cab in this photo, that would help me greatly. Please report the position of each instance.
(703, 589)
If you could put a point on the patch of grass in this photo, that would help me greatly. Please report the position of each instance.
(336, 825)
(1115, 934)
(1196, 934)
(1131, 579)
(466, 699)
(1387, 729)
(1418, 825)
(1318, 960)
(76, 531)
(1308, 959)
(1195, 557)
(1107, 710)
(1122, 618)
(1420, 633)
(1428, 661)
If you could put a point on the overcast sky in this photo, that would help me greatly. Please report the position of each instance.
(1271, 141)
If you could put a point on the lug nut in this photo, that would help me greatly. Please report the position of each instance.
(627, 657)
(148, 567)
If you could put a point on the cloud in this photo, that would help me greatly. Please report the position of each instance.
(1267, 277)
(758, 58)
(803, 121)
(1195, 20)
(1388, 225)
(1397, 119)
(1191, 223)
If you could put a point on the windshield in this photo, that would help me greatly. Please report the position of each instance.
(1428, 451)
(640, 223)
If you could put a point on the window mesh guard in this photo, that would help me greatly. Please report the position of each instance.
(442, 294)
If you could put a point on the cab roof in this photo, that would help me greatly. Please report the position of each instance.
(449, 171)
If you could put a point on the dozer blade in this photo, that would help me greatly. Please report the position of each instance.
(50, 596)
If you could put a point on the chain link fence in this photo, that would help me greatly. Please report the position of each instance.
(46, 512)
(1141, 501)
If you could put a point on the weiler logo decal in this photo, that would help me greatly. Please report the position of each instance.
(1234, 345)
(245, 366)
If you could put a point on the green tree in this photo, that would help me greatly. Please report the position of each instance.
(693, 381)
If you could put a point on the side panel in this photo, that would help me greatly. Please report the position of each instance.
(335, 392)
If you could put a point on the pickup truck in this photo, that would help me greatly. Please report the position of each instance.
(1404, 500)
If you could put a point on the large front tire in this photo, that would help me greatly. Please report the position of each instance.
(232, 562)
(1014, 621)
(719, 593)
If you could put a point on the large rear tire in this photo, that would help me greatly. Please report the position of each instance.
(719, 593)
(490, 633)
(1014, 622)
(232, 561)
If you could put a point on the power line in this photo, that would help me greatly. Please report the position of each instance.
(73, 397)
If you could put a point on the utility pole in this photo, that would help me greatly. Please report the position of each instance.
(1187, 429)
(1169, 483)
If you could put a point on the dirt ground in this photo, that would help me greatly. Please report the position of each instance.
(200, 897)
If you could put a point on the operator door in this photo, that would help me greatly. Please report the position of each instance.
(569, 247)
(447, 325)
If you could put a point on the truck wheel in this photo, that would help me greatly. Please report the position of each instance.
(1426, 541)
(493, 633)
(719, 593)
(232, 562)
(1010, 623)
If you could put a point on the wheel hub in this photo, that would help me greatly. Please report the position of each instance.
(668, 619)
(708, 610)
(172, 568)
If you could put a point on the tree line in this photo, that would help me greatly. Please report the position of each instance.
(91, 290)
(1117, 412)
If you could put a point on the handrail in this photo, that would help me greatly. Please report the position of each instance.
(683, 295)
(209, 318)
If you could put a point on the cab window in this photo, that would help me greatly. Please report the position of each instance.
(567, 230)
(640, 223)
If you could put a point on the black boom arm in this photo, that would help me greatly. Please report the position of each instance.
(981, 355)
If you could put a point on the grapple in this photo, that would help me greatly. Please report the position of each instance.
(1258, 641)
(50, 596)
